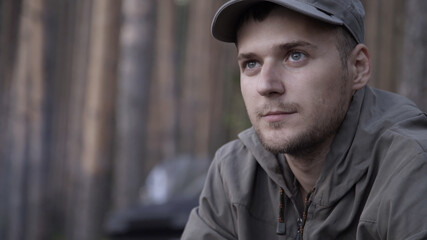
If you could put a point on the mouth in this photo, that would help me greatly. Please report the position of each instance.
(277, 116)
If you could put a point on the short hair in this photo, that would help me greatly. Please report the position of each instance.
(345, 44)
(259, 12)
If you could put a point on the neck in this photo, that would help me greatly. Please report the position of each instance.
(307, 167)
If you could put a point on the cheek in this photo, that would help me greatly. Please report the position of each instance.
(330, 82)
(248, 91)
(321, 99)
(331, 97)
(248, 98)
(245, 92)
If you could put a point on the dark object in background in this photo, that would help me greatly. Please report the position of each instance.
(171, 190)
(151, 222)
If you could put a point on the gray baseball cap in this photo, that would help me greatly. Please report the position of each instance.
(347, 13)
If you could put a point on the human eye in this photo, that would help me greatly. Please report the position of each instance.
(250, 67)
(250, 64)
(296, 56)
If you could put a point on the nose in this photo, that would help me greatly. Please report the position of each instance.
(271, 82)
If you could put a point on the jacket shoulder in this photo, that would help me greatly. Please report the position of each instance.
(237, 166)
(393, 121)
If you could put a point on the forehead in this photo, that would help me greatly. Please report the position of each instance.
(283, 23)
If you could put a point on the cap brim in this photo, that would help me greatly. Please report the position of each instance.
(226, 18)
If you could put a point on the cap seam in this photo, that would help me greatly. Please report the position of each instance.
(350, 9)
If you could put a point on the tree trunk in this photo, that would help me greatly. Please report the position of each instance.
(79, 60)
(9, 34)
(135, 69)
(200, 82)
(384, 23)
(162, 128)
(97, 125)
(414, 57)
(27, 125)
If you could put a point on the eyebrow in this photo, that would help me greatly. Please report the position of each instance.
(294, 44)
(243, 56)
(283, 47)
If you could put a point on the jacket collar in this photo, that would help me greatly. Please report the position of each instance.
(267, 160)
(344, 165)
(342, 169)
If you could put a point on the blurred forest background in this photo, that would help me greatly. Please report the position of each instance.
(95, 93)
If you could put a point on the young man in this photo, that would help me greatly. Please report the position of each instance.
(328, 157)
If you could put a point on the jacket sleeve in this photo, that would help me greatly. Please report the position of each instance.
(403, 211)
(213, 218)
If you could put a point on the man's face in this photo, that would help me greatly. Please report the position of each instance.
(294, 85)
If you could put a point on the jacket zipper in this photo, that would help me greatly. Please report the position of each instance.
(281, 225)
(303, 220)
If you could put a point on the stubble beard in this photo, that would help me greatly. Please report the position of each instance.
(307, 141)
(303, 143)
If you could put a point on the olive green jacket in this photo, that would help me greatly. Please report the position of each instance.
(373, 184)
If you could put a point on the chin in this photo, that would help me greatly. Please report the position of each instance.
(274, 140)
(290, 141)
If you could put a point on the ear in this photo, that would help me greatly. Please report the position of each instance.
(360, 66)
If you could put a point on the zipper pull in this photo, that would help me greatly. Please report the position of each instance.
(281, 228)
